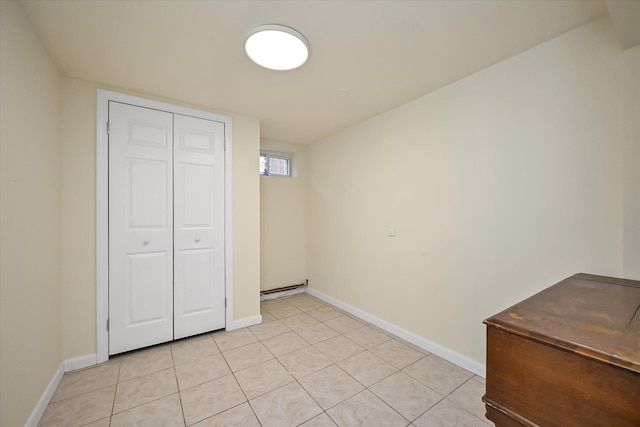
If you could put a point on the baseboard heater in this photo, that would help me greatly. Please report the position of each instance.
(283, 291)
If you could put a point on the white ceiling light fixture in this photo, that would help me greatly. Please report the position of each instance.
(277, 47)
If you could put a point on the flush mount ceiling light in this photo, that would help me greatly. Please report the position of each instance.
(277, 47)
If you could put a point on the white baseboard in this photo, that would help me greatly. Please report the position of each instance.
(243, 323)
(37, 412)
(79, 362)
(66, 366)
(447, 354)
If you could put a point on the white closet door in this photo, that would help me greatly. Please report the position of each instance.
(140, 227)
(199, 287)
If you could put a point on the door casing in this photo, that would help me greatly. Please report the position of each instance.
(102, 206)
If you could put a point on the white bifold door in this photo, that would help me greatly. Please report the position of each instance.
(166, 226)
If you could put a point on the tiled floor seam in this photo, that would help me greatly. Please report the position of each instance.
(184, 419)
(324, 411)
(341, 329)
(394, 409)
(461, 407)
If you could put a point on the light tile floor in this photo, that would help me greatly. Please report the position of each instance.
(307, 364)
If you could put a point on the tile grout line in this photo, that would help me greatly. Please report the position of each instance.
(382, 379)
(303, 310)
(175, 377)
(365, 388)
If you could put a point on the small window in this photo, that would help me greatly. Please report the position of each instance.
(275, 165)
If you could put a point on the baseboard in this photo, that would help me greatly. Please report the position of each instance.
(79, 362)
(447, 354)
(37, 412)
(66, 366)
(243, 323)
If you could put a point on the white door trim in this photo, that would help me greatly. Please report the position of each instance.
(102, 206)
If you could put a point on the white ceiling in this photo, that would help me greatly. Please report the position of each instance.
(366, 56)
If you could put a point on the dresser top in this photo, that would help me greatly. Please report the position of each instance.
(595, 316)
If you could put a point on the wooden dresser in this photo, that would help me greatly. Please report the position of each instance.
(568, 356)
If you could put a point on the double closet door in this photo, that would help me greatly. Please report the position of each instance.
(166, 226)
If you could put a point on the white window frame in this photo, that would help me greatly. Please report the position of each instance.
(278, 155)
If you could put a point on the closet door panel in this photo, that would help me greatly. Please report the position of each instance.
(147, 191)
(199, 298)
(196, 270)
(145, 273)
(140, 227)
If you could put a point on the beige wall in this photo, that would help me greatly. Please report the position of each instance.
(30, 325)
(78, 207)
(246, 217)
(283, 221)
(632, 162)
(500, 184)
(78, 130)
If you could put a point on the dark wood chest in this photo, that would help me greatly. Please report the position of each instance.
(567, 356)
